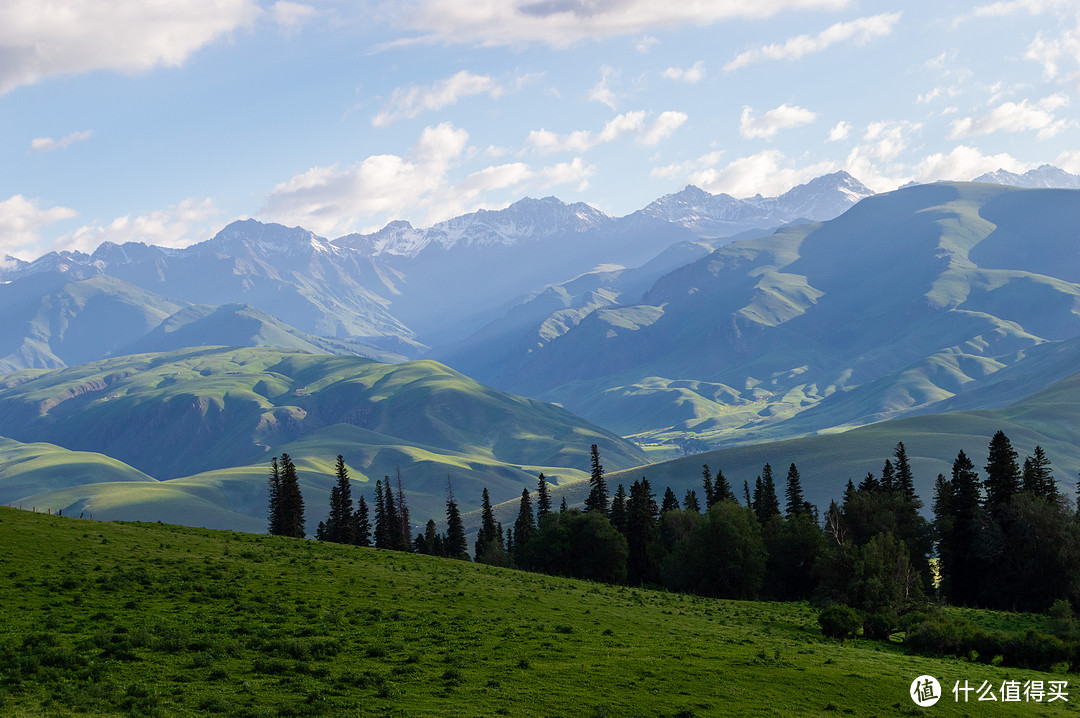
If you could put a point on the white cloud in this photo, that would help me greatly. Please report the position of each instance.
(839, 131)
(776, 119)
(1053, 51)
(291, 16)
(39, 39)
(1069, 161)
(860, 31)
(561, 23)
(768, 173)
(21, 221)
(1015, 117)
(177, 226)
(964, 163)
(547, 142)
(691, 75)
(645, 44)
(335, 200)
(885, 140)
(936, 93)
(601, 92)
(662, 127)
(48, 144)
(408, 102)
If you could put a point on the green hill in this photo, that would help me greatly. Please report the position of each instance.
(110, 619)
(206, 421)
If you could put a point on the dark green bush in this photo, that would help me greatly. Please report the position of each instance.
(839, 621)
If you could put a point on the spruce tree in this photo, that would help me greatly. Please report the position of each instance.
(455, 544)
(905, 480)
(563, 508)
(543, 500)
(383, 537)
(961, 535)
(398, 540)
(361, 524)
(273, 511)
(598, 495)
(888, 476)
(707, 484)
(869, 484)
(746, 494)
(618, 510)
(796, 502)
(339, 522)
(431, 537)
(641, 529)
(670, 503)
(1002, 474)
(403, 510)
(489, 534)
(691, 503)
(722, 488)
(524, 526)
(290, 500)
(1038, 477)
(766, 505)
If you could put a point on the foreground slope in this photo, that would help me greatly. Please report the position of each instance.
(159, 620)
(210, 418)
(912, 298)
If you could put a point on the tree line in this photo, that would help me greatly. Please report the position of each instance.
(1008, 540)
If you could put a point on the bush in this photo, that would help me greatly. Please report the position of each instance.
(839, 621)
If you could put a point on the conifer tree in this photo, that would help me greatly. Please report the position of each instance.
(691, 503)
(905, 480)
(290, 501)
(402, 510)
(707, 484)
(361, 524)
(431, 536)
(960, 536)
(598, 495)
(766, 505)
(641, 515)
(618, 510)
(320, 531)
(670, 503)
(869, 484)
(796, 502)
(888, 476)
(1002, 474)
(489, 534)
(383, 537)
(1038, 477)
(746, 494)
(563, 508)
(339, 523)
(524, 526)
(273, 511)
(722, 488)
(454, 544)
(543, 500)
(397, 539)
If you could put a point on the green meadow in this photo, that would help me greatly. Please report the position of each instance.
(117, 619)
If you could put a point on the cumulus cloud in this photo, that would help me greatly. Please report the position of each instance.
(334, 200)
(650, 134)
(561, 23)
(1021, 116)
(600, 92)
(21, 222)
(964, 163)
(291, 16)
(690, 75)
(48, 144)
(776, 119)
(645, 43)
(839, 131)
(860, 31)
(39, 40)
(408, 102)
(179, 225)
(1069, 161)
(768, 173)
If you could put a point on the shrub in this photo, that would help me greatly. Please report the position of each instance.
(839, 621)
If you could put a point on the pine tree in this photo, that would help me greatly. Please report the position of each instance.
(339, 522)
(888, 476)
(746, 494)
(766, 505)
(960, 534)
(563, 508)
(543, 501)
(1002, 474)
(707, 484)
(869, 484)
(361, 524)
(1038, 477)
(524, 527)
(670, 503)
(403, 510)
(431, 537)
(796, 502)
(290, 501)
(618, 510)
(641, 515)
(905, 480)
(455, 544)
(383, 538)
(691, 503)
(598, 495)
(273, 511)
(722, 488)
(396, 538)
(489, 534)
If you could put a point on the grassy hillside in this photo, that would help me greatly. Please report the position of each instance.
(908, 300)
(210, 418)
(149, 620)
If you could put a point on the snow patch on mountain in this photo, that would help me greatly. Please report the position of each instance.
(1043, 177)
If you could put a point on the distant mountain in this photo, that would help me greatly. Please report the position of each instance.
(907, 300)
(208, 419)
(1043, 177)
(401, 290)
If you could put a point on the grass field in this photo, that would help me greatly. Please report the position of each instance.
(116, 619)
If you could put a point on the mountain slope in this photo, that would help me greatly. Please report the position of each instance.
(934, 288)
(210, 418)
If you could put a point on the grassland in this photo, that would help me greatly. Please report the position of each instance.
(110, 619)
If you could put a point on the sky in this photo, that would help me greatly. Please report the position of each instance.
(161, 121)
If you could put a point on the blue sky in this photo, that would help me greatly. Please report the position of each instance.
(161, 121)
